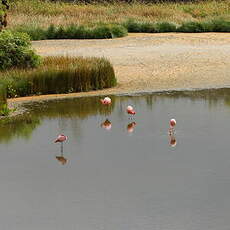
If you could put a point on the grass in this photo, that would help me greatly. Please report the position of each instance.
(215, 25)
(74, 32)
(113, 31)
(41, 14)
(3, 100)
(59, 75)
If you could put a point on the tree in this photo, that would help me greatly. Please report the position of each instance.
(4, 6)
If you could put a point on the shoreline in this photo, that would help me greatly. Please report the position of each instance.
(19, 103)
(149, 63)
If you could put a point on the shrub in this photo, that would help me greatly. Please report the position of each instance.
(132, 26)
(191, 27)
(74, 32)
(60, 75)
(15, 51)
(220, 25)
(148, 27)
(217, 25)
(162, 27)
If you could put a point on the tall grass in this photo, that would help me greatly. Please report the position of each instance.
(215, 25)
(60, 75)
(3, 93)
(74, 32)
(131, 25)
(39, 13)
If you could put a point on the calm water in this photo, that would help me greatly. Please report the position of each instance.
(115, 179)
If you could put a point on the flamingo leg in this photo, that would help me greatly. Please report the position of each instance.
(61, 148)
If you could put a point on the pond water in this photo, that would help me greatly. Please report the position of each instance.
(121, 175)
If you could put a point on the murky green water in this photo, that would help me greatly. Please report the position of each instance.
(126, 178)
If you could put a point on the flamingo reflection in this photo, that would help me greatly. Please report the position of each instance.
(172, 140)
(61, 159)
(106, 124)
(131, 126)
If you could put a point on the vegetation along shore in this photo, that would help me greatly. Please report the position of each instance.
(61, 19)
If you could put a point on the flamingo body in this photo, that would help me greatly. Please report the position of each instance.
(61, 138)
(106, 101)
(130, 110)
(172, 123)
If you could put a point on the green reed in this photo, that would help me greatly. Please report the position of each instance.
(60, 75)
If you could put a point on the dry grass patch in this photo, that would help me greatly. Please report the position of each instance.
(43, 13)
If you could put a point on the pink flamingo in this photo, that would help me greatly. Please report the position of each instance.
(172, 124)
(106, 124)
(130, 110)
(106, 101)
(61, 138)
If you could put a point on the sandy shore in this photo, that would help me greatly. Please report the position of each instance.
(151, 62)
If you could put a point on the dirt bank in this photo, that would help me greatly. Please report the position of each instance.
(150, 62)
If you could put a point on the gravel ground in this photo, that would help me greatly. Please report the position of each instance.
(153, 62)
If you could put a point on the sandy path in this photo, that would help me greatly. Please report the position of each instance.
(149, 62)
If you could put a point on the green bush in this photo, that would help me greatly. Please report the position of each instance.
(133, 26)
(148, 27)
(74, 32)
(191, 27)
(163, 27)
(60, 75)
(217, 25)
(15, 51)
(220, 25)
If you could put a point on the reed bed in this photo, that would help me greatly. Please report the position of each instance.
(39, 13)
(3, 98)
(215, 25)
(73, 32)
(106, 31)
(60, 75)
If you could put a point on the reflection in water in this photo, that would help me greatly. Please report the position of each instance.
(106, 124)
(131, 126)
(23, 126)
(172, 140)
(19, 126)
(128, 182)
(61, 158)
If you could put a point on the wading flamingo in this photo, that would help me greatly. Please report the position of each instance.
(172, 124)
(130, 110)
(106, 101)
(61, 138)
